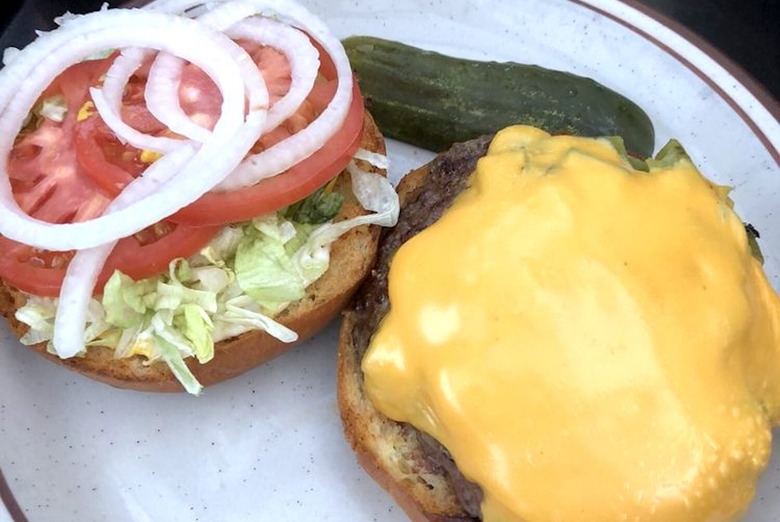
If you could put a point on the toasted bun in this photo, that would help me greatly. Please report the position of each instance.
(351, 259)
(390, 451)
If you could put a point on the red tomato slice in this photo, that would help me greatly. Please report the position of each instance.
(94, 144)
(149, 252)
(302, 179)
(273, 66)
(52, 182)
(284, 189)
(69, 171)
(134, 111)
(199, 97)
(144, 255)
(31, 270)
(74, 82)
(46, 177)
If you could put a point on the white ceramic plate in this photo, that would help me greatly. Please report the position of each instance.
(268, 445)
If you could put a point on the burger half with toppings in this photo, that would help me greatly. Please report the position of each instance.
(187, 190)
(554, 332)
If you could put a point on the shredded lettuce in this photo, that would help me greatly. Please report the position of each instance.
(264, 269)
(54, 108)
(247, 275)
(173, 357)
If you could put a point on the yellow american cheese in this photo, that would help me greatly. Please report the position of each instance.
(591, 343)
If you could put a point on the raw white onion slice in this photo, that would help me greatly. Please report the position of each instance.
(162, 98)
(301, 145)
(28, 75)
(302, 56)
(85, 267)
(108, 102)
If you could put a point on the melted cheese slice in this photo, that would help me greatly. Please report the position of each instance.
(591, 343)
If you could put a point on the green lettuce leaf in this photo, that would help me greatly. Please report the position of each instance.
(239, 282)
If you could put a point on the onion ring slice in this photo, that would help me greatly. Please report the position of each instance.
(162, 98)
(108, 101)
(85, 267)
(300, 53)
(286, 153)
(24, 78)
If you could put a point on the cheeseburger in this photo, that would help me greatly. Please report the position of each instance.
(552, 334)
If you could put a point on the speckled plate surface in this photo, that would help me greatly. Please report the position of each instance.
(268, 445)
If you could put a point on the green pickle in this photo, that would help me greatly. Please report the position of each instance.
(432, 100)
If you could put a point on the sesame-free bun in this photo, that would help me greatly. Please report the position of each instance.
(350, 261)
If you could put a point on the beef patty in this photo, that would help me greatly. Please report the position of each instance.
(448, 176)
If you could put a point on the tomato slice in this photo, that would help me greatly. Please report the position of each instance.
(57, 195)
(284, 189)
(299, 181)
(199, 97)
(32, 270)
(70, 170)
(134, 111)
(302, 179)
(149, 252)
(74, 82)
(46, 178)
(94, 144)
(143, 255)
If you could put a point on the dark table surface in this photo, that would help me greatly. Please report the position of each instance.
(746, 31)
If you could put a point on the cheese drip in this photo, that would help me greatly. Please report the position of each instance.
(590, 342)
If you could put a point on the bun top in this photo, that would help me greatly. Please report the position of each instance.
(561, 327)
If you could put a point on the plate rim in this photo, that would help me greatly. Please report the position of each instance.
(610, 9)
(768, 132)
